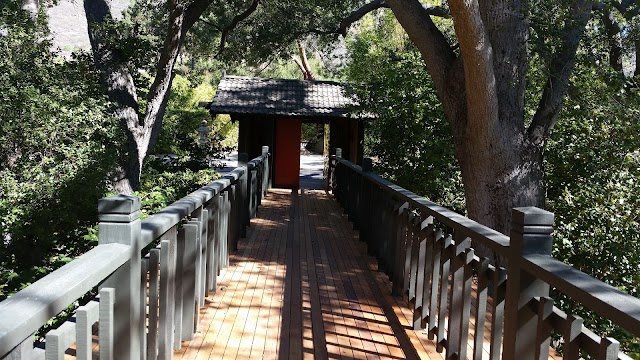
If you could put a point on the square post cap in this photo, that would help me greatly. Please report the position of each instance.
(119, 204)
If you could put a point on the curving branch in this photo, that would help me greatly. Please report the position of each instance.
(561, 67)
(234, 22)
(433, 45)
(215, 26)
(358, 14)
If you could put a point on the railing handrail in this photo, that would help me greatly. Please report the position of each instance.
(604, 299)
(159, 223)
(491, 238)
(23, 313)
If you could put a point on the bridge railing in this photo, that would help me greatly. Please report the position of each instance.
(151, 276)
(428, 253)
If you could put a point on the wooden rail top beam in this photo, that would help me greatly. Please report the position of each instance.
(24, 312)
(491, 238)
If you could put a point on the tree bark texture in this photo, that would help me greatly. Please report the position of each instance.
(142, 129)
(482, 92)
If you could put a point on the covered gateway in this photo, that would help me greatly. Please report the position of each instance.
(271, 111)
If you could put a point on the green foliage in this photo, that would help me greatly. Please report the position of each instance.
(160, 187)
(592, 166)
(410, 139)
(183, 117)
(56, 148)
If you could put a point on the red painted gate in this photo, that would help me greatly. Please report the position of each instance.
(287, 153)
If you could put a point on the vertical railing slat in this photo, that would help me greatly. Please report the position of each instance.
(106, 324)
(144, 268)
(481, 307)
(167, 295)
(204, 255)
(190, 286)
(438, 245)
(465, 309)
(572, 330)
(497, 312)
(86, 316)
(154, 292)
(543, 334)
(445, 266)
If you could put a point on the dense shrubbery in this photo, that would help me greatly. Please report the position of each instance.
(58, 146)
(592, 177)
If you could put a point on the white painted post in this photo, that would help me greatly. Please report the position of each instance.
(531, 230)
(120, 223)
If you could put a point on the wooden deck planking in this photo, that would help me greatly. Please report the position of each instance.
(302, 286)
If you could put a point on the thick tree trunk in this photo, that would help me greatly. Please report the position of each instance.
(142, 130)
(482, 92)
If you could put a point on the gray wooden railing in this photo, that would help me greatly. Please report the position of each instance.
(427, 252)
(152, 275)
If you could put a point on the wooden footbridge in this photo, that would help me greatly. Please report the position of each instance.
(237, 270)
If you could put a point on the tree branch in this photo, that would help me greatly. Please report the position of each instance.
(210, 24)
(308, 73)
(358, 14)
(234, 22)
(434, 48)
(478, 60)
(560, 71)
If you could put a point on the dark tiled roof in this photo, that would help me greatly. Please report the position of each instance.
(242, 95)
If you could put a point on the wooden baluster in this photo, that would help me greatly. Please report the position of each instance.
(212, 246)
(454, 330)
(58, 341)
(179, 289)
(497, 312)
(608, 349)
(399, 243)
(227, 226)
(154, 301)
(438, 245)
(86, 316)
(420, 294)
(482, 268)
(106, 323)
(204, 255)
(543, 336)
(168, 293)
(445, 266)
(189, 280)
(570, 333)
(409, 256)
(244, 184)
(143, 307)
(465, 309)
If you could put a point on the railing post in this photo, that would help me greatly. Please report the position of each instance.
(531, 230)
(266, 174)
(119, 218)
(335, 183)
(243, 159)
